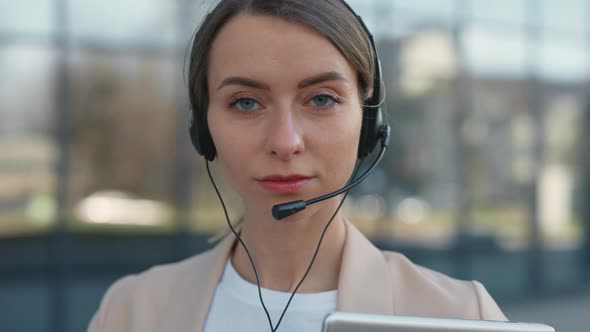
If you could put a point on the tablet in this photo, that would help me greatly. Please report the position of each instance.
(353, 322)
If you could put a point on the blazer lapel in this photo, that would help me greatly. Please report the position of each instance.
(365, 284)
(194, 289)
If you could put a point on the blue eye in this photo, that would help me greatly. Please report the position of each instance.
(245, 104)
(322, 100)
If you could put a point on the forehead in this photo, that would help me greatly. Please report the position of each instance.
(273, 47)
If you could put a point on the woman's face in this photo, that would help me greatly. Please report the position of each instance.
(284, 111)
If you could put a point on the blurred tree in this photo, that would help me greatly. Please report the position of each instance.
(122, 131)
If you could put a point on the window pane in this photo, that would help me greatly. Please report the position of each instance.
(122, 145)
(499, 163)
(136, 21)
(500, 11)
(570, 15)
(563, 170)
(377, 14)
(495, 52)
(416, 202)
(563, 60)
(27, 150)
(424, 198)
(434, 11)
(27, 16)
(382, 16)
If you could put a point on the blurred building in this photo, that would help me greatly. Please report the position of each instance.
(487, 170)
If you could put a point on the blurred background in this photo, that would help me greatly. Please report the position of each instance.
(487, 176)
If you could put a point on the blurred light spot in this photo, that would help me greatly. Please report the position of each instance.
(41, 208)
(114, 207)
(427, 58)
(555, 197)
(371, 206)
(413, 210)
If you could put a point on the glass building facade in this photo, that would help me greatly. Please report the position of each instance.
(488, 169)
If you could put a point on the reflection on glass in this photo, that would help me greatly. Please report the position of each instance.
(122, 134)
(124, 113)
(500, 11)
(566, 15)
(522, 136)
(27, 151)
(439, 11)
(555, 198)
(563, 61)
(27, 71)
(120, 208)
(563, 119)
(426, 58)
(377, 15)
(27, 16)
(413, 210)
(27, 183)
(490, 52)
(139, 21)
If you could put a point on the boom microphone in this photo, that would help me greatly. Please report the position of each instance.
(284, 210)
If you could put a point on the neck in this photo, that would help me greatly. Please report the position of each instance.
(283, 250)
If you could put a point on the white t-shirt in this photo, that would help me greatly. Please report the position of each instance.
(236, 307)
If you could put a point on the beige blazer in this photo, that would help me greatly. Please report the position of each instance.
(176, 297)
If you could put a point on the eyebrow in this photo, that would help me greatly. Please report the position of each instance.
(235, 80)
(323, 77)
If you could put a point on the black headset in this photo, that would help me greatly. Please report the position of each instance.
(374, 131)
(372, 127)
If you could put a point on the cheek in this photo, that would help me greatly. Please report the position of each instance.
(351, 148)
(342, 151)
(226, 136)
(228, 143)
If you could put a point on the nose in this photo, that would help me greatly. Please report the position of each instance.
(285, 137)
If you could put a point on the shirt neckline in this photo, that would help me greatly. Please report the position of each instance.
(248, 292)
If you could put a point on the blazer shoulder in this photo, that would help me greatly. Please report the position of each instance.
(139, 299)
(157, 280)
(424, 292)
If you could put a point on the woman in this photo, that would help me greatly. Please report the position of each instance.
(279, 91)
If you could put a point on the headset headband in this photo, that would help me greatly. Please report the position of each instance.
(372, 114)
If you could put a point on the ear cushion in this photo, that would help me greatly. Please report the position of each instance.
(200, 135)
(372, 122)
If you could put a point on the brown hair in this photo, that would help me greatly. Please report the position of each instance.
(331, 18)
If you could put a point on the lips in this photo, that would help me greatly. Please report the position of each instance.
(284, 184)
